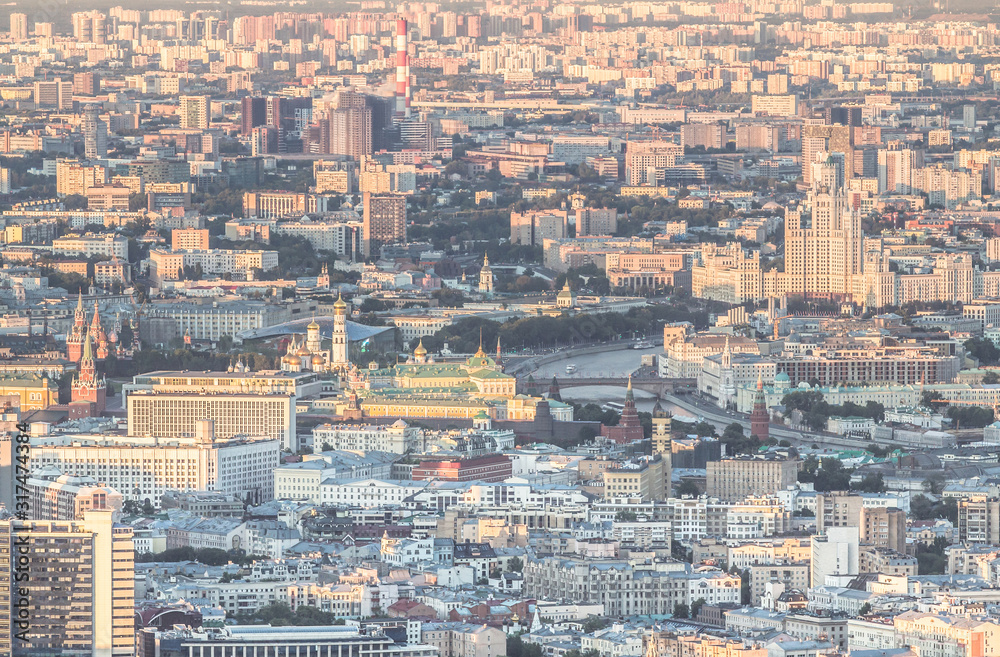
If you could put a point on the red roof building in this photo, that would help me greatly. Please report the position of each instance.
(492, 469)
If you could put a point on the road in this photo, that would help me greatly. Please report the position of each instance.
(622, 362)
(694, 405)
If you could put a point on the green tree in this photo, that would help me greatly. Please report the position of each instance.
(696, 607)
(826, 475)
(872, 482)
(984, 350)
(736, 442)
(625, 516)
(991, 377)
(213, 557)
(688, 487)
(593, 624)
(372, 306)
(516, 647)
(449, 298)
(515, 565)
(75, 202)
(934, 484)
(970, 417)
(924, 508)
(681, 610)
(931, 559)
(705, 429)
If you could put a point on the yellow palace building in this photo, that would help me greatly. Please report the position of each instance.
(35, 392)
(421, 387)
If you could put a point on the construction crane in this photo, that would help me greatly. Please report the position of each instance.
(777, 324)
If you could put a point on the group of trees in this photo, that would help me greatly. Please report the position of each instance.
(681, 609)
(830, 474)
(970, 417)
(517, 647)
(735, 441)
(489, 227)
(279, 614)
(544, 332)
(589, 277)
(595, 413)
(967, 417)
(816, 411)
(984, 350)
(207, 556)
(151, 360)
(923, 507)
(932, 559)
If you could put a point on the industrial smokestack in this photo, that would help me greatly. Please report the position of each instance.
(402, 71)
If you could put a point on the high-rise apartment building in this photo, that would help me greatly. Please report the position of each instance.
(188, 238)
(74, 177)
(87, 83)
(351, 132)
(78, 587)
(828, 173)
(826, 139)
(968, 116)
(881, 526)
(596, 221)
(90, 27)
(835, 553)
(384, 221)
(823, 248)
(194, 112)
(895, 169)
(254, 114)
(53, 94)
(56, 496)
(532, 228)
(95, 133)
(733, 479)
(18, 27)
(979, 520)
(640, 156)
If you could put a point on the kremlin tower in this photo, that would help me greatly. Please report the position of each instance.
(74, 341)
(628, 428)
(759, 421)
(100, 337)
(89, 388)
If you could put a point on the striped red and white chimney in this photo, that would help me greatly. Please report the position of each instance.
(402, 71)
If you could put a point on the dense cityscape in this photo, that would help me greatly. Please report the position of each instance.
(517, 328)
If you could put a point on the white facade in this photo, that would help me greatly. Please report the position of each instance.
(340, 237)
(142, 468)
(368, 493)
(835, 553)
(397, 438)
(164, 414)
(104, 246)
